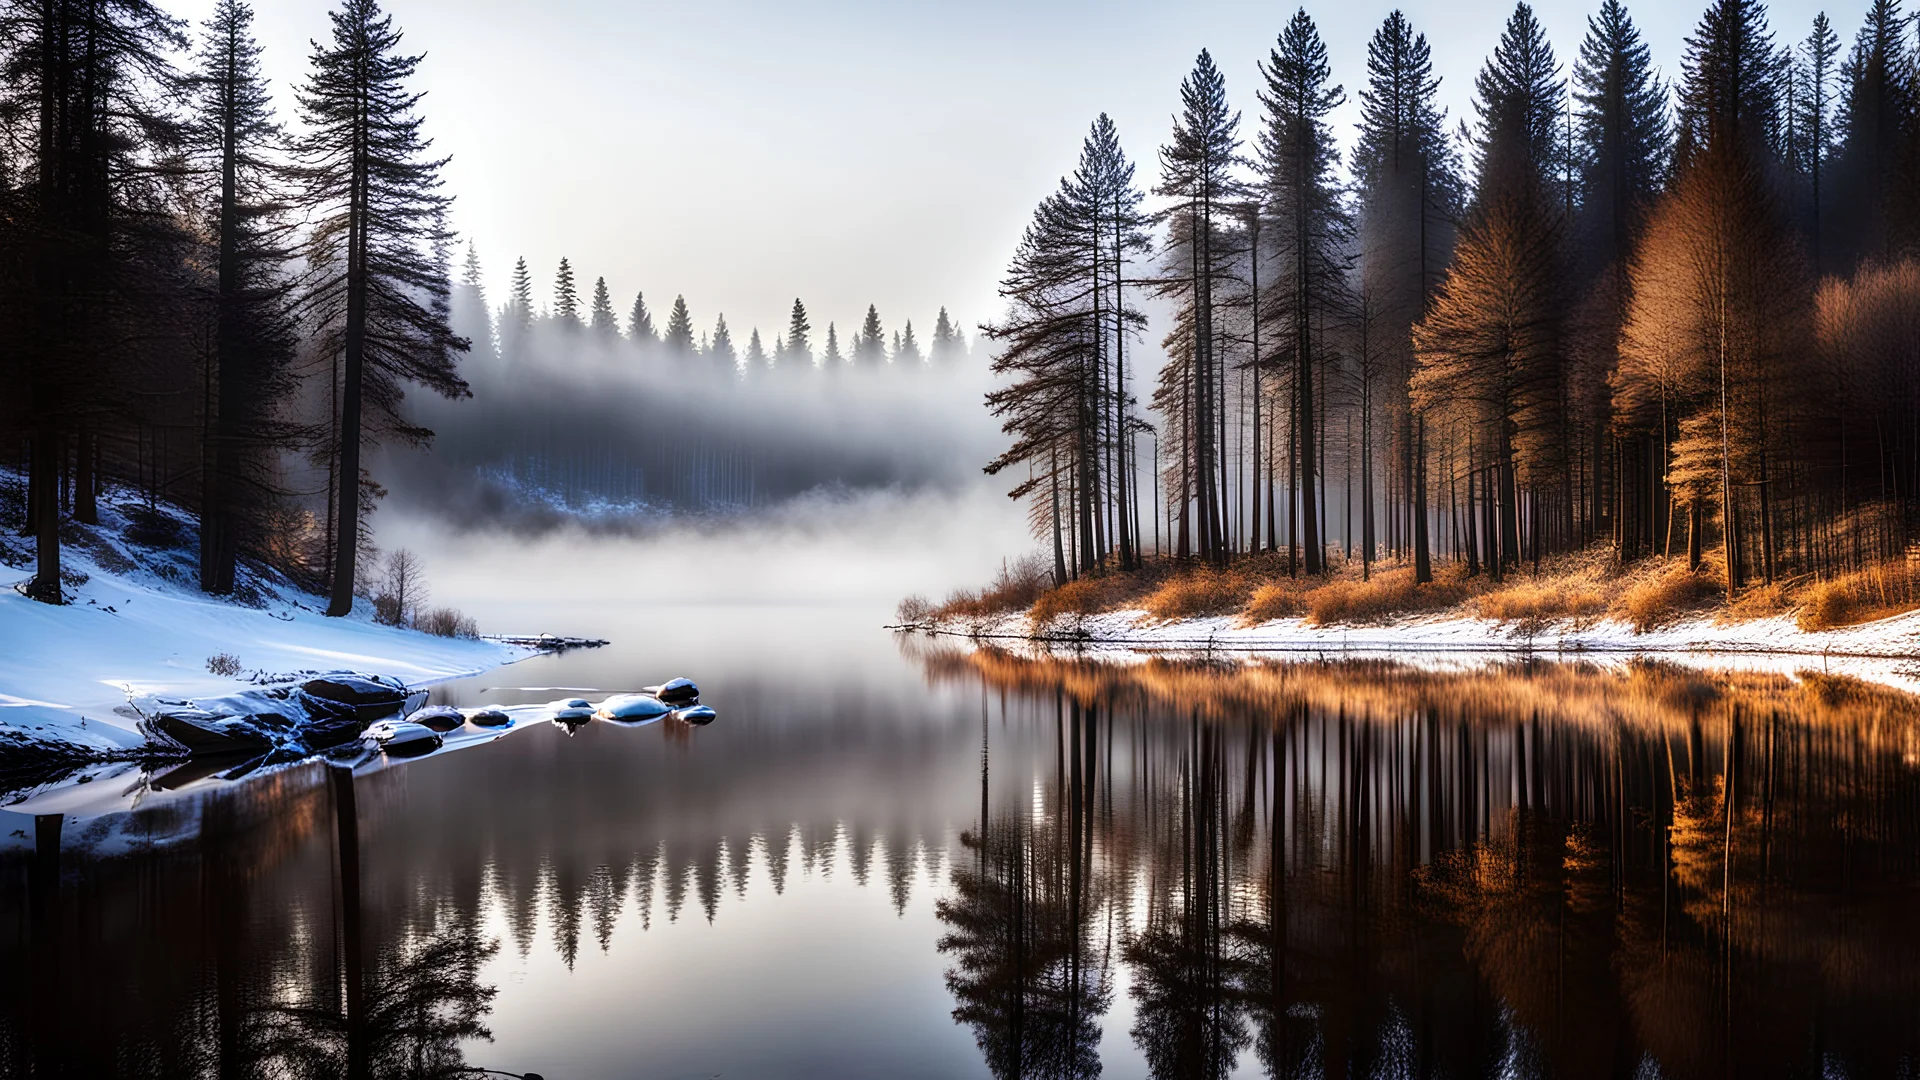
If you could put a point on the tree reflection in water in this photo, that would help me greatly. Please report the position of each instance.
(1298, 870)
(1367, 869)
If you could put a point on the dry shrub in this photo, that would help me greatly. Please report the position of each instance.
(913, 610)
(1862, 596)
(446, 622)
(225, 664)
(1200, 591)
(1760, 602)
(1540, 601)
(1283, 599)
(1665, 595)
(1018, 584)
(1390, 593)
(1087, 596)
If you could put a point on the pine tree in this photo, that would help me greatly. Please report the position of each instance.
(232, 137)
(1410, 194)
(604, 323)
(566, 299)
(906, 350)
(1878, 125)
(1197, 176)
(1817, 61)
(1623, 132)
(516, 316)
(1308, 226)
(945, 340)
(870, 344)
(1519, 99)
(720, 348)
(797, 349)
(832, 359)
(375, 295)
(84, 77)
(640, 323)
(472, 319)
(1730, 84)
(679, 336)
(756, 359)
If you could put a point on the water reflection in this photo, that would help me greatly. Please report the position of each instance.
(1165, 869)
(1535, 870)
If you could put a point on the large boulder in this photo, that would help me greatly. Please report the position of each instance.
(676, 692)
(491, 716)
(202, 732)
(631, 707)
(441, 718)
(403, 738)
(695, 714)
(363, 697)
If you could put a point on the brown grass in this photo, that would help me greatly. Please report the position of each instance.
(1018, 584)
(1390, 593)
(1541, 600)
(1087, 596)
(1862, 596)
(1285, 598)
(1199, 592)
(1663, 596)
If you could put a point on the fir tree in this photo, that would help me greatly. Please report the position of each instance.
(603, 322)
(1623, 131)
(1813, 123)
(906, 350)
(375, 295)
(516, 315)
(946, 347)
(640, 323)
(1730, 84)
(1878, 124)
(832, 358)
(1309, 229)
(756, 358)
(797, 349)
(566, 299)
(679, 336)
(720, 347)
(472, 319)
(87, 74)
(1197, 176)
(232, 137)
(1520, 100)
(870, 344)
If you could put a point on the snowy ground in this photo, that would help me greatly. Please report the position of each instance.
(135, 625)
(1887, 651)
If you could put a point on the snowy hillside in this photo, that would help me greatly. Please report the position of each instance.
(135, 625)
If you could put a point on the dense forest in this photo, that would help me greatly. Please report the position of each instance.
(1607, 309)
(225, 310)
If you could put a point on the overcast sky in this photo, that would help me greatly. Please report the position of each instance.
(743, 152)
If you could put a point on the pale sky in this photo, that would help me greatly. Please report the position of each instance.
(743, 152)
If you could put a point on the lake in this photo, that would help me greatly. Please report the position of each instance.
(895, 857)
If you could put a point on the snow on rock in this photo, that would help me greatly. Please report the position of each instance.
(136, 628)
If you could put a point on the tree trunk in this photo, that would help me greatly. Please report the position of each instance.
(43, 501)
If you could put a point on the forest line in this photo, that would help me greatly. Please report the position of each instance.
(1605, 310)
(233, 312)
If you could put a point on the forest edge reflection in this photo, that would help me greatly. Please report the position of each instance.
(1335, 869)
(1375, 869)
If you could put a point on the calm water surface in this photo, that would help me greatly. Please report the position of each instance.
(894, 859)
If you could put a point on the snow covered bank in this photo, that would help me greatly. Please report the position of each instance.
(136, 626)
(1887, 651)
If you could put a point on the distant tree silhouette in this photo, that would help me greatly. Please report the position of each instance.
(640, 323)
(870, 344)
(679, 335)
(566, 298)
(604, 323)
(796, 349)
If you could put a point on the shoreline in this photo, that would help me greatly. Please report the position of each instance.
(1886, 651)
